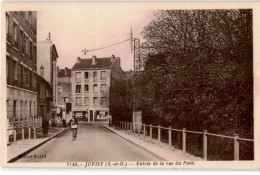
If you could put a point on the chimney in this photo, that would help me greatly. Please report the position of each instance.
(78, 60)
(94, 59)
(49, 38)
(65, 71)
(112, 58)
(41, 71)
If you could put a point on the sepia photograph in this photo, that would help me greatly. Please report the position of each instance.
(112, 86)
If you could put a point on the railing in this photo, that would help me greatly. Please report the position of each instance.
(16, 44)
(20, 126)
(78, 79)
(9, 38)
(141, 129)
(95, 80)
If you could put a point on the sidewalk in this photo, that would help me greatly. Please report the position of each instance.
(22, 147)
(161, 150)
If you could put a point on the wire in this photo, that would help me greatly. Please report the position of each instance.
(105, 46)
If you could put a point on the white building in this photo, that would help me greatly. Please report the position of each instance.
(47, 59)
(91, 80)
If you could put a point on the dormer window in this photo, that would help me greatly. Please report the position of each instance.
(94, 60)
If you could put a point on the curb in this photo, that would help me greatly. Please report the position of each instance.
(36, 146)
(107, 127)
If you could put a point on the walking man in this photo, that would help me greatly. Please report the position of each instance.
(45, 127)
(74, 127)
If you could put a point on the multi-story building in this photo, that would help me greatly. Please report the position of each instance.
(47, 59)
(44, 98)
(64, 75)
(64, 93)
(91, 80)
(21, 64)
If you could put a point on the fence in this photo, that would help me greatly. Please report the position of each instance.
(22, 125)
(150, 130)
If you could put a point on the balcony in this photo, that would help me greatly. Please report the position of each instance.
(16, 44)
(8, 38)
(103, 91)
(78, 105)
(86, 80)
(78, 80)
(103, 79)
(95, 80)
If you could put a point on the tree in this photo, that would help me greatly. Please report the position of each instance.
(199, 70)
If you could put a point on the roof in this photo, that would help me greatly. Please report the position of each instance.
(65, 86)
(61, 73)
(86, 63)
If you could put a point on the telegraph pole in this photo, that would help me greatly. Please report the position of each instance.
(135, 47)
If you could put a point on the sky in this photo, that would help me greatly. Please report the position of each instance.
(88, 28)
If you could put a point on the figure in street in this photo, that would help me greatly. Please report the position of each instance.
(74, 127)
(45, 127)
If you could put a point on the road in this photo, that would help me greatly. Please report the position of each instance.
(93, 143)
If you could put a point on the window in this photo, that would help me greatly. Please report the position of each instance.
(15, 35)
(21, 40)
(78, 101)
(30, 109)
(103, 88)
(15, 70)
(60, 89)
(86, 101)
(86, 87)
(14, 109)
(95, 100)
(31, 50)
(30, 17)
(66, 99)
(78, 88)
(95, 88)
(103, 101)
(78, 76)
(21, 108)
(86, 75)
(7, 23)
(22, 79)
(25, 76)
(103, 75)
(27, 45)
(95, 74)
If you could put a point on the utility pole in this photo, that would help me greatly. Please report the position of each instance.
(135, 47)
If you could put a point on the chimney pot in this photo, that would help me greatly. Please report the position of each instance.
(78, 60)
(112, 58)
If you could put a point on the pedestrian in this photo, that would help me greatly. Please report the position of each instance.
(45, 127)
(64, 122)
(74, 127)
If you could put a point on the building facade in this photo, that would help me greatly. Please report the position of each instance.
(44, 98)
(64, 75)
(64, 93)
(91, 80)
(47, 68)
(21, 64)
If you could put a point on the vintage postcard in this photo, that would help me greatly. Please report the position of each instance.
(130, 85)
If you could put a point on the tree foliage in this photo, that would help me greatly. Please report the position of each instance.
(199, 70)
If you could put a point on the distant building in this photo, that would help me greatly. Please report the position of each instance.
(21, 60)
(64, 93)
(91, 80)
(64, 100)
(47, 60)
(64, 75)
(44, 98)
